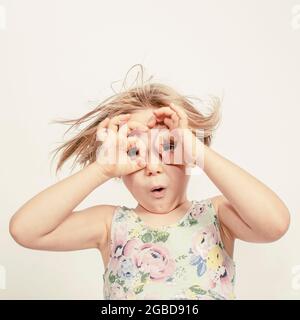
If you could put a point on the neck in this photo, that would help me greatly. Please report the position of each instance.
(181, 205)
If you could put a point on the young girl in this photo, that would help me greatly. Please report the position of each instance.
(167, 247)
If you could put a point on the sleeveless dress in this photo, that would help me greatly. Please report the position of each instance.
(183, 260)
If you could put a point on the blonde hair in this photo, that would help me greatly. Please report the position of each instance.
(146, 95)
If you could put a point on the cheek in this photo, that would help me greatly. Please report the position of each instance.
(127, 180)
(130, 180)
(176, 172)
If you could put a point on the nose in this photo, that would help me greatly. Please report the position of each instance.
(154, 166)
(153, 169)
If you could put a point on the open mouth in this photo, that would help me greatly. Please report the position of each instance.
(158, 191)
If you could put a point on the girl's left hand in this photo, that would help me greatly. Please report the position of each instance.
(188, 147)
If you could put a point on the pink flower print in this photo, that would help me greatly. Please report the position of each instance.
(203, 240)
(156, 260)
(227, 277)
(132, 247)
(198, 210)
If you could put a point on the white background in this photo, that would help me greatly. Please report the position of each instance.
(58, 60)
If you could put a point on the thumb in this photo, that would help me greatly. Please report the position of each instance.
(141, 162)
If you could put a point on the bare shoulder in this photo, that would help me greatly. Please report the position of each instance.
(220, 202)
(104, 213)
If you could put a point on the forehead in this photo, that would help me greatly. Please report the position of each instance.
(142, 116)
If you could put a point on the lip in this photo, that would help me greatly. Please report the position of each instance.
(158, 194)
(157, 187)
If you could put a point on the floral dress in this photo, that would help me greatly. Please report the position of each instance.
(184, 260)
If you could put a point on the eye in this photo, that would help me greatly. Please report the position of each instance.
(169, 146)
(133, 152)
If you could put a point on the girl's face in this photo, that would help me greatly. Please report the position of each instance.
(171, 176)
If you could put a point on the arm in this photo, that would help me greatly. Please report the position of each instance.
(48, 222)
(248, 209)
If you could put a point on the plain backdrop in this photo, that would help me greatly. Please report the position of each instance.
(58, 60)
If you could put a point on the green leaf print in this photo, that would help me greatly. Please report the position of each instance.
(216, 222)
(161, 236)
(144, 276)
(120, 282)
(111, 277)
(147, 237)
(197, 289)
(121, 216)
(139, 289)
(183, 256)
(193, 221)
(215, 295)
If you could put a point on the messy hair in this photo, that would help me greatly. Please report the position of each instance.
(84, 144)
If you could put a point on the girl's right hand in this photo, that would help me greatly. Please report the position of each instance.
(115, 153)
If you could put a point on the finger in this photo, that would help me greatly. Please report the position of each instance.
(169, 123)
(135, 126)
(163, 111)
(152, 121)
(131, 128)
(175, 119)
(122, 131)
(141, 162)
(117, 121)
(103, 123)
(183, 120)
(102, 130)
(137, 163)
(172, 123)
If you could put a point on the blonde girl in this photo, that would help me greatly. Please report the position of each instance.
(167, 247)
